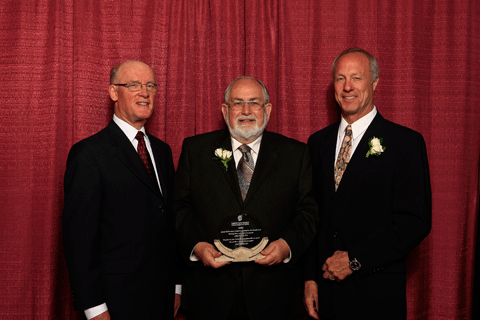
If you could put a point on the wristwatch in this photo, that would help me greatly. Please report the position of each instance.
(355, 264)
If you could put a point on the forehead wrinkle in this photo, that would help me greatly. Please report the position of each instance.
(249, 99)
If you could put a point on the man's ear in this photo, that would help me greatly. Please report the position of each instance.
(375, 83)
(224, 111)
(268, 109)
(113, 91)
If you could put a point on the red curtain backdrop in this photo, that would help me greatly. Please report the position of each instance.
(55, 57)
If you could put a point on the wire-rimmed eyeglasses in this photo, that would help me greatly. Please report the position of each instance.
(137, 86)
(238, 105)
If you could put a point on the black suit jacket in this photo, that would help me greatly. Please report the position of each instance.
(118, 228)
(279, 198)
(380, 212)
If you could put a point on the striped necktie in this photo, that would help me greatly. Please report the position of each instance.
(245, 170)
(343, 156)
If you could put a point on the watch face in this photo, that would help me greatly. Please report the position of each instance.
(355, 265)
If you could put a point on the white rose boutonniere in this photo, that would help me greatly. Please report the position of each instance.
(376, 147)
(224, 156)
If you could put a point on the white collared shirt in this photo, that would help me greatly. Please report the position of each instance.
(131, 133)
(358, 130)
(254, 146)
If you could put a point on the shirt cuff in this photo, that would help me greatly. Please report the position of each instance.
(287, 259)
(193, 257)
(95, 311)
(178, 289)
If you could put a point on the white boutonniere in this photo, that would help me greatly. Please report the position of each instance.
(376, 147)
(224, 156)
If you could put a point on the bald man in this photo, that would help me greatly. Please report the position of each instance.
(117, 221)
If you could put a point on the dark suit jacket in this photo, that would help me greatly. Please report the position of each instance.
(279, 198)
(118, 228)
(380, 212)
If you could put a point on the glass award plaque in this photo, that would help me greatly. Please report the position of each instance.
(240, 239)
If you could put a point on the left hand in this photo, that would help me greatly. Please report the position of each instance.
(337, 267)
(310, 298)
(274, 253)
(178, 299)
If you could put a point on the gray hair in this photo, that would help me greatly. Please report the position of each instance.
(113, 73)
(374, 72)
(265, 91)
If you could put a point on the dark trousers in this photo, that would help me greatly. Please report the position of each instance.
(239, 308)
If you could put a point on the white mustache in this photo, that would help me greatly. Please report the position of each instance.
(239, 118)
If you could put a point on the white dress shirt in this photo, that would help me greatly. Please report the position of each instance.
(131, 133)
(358, 130)
(237, 153)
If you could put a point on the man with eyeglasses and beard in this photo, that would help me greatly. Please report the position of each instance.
(117, 220)
(266, 177)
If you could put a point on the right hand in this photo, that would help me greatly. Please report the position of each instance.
(310, 298)
(207, 253)
(102, 316)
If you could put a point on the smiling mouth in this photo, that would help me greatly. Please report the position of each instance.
(246, 122)
(143, 103)
(349, 98)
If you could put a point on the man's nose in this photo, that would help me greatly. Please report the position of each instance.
(246, 108)
(143, 90)
(348, 85)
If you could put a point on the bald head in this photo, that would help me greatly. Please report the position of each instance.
(127, 64)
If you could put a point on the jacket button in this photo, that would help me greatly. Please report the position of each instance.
(334, 234)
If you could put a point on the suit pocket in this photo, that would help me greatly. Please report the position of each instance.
(118, 266)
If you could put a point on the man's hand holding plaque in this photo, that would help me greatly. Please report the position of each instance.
(207, 254)
(276, 252)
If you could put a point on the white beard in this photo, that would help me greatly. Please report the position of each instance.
(240, 132)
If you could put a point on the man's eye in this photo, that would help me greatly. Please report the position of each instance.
(237, 103)
(254, 104)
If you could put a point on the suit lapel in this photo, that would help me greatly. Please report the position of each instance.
(327, 154)
(268, 155)
(126, 153)
(230, 174)
(359, 160)
(161, 166)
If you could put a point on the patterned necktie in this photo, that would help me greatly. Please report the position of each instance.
(245, 170)
(343, 156)
(145, 156)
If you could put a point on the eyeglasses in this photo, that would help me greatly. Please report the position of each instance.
(239, 104)
(137, 86)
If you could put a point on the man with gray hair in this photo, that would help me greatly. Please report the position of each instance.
(372, 183)
(243, 173)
